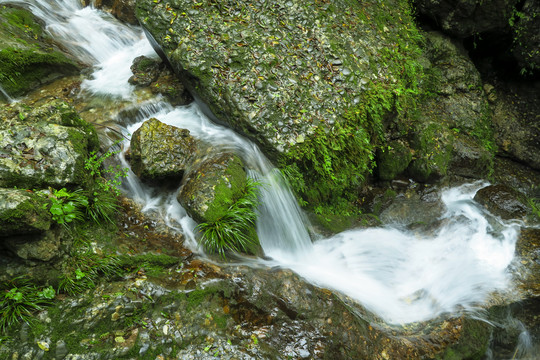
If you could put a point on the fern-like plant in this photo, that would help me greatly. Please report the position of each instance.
(19, 300)
(234, 231)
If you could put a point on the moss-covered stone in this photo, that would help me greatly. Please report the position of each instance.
(160, 151)
(393, 160)
(23, 212)
(212, 187)
(26, 59)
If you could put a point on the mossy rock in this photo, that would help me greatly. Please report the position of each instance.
(23, 212)
(212, 187)
(45, 145)
(161, 152)
(433, 152)
(393, 160)
(27, 58)
(309, 82)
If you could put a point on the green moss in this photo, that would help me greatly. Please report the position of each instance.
(28, 214)
(24, 20)
(230, 187)
(72, 119)
(155, 262)
(22, 69)
(434, 151)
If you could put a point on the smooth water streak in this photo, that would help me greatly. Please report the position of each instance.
(396, 274)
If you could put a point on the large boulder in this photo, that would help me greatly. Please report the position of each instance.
(27, 59)
(311, 82)
(161, 152)
(44, 146)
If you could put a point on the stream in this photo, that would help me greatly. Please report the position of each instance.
(399, 275)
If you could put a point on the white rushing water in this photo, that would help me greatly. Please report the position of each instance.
(397, 275)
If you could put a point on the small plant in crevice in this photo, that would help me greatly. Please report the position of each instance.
(105, 189)
(67, 206)
(84, 268)
(20, 299)
(235, 230)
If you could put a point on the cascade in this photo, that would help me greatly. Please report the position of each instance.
(394, 273)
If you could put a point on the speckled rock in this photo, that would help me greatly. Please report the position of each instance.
(38, 156)
(22, 212)
(27, 59)
(160, 151)
(212, 186)
(288, 73)
(42, 146)
(503, 201)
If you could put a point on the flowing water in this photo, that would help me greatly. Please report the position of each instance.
(396, 274)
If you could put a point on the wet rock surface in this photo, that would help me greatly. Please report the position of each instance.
(159, 79)
(503, 201)
(161, 152)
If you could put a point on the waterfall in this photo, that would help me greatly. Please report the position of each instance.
(396, 274)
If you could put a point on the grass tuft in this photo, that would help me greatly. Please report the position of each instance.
(234, 231)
